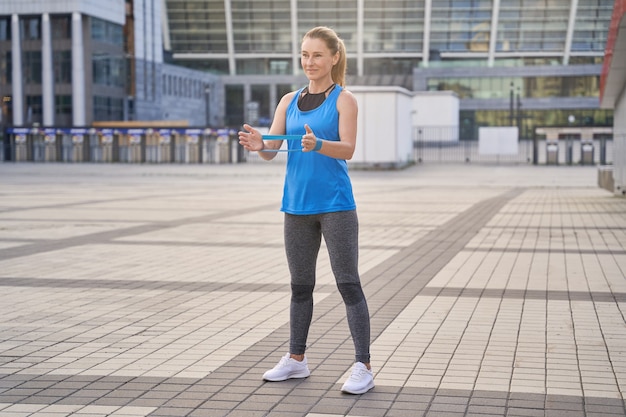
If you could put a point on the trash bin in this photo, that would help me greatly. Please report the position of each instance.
(552, 153)
(223, 146)
(586, 152)
(50, 147)
(78, 141)
(21, 147)
(106, 142)
(569, 151)
(192, 149)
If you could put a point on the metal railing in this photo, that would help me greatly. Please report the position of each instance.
(538, 152)
(216, 146)
(136, 145)
(443, 144)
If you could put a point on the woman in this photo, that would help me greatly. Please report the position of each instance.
(318, 200)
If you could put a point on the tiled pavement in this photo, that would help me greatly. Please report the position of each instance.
(133, 291)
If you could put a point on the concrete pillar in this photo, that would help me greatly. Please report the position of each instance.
(18, 84)
(47, 72)
(78, 72)
(428, 7)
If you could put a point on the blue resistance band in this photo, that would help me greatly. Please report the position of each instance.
(282, 137)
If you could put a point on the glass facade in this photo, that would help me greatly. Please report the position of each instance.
(471, 120)
(590, 29)
(387, 41)
(530, 87)
(392, 37)
(108, 70)
(388, 66)
(215, 66)
(392, 26)
(197, 26)
(261, 26)
(532, 25)
(460, 26)
(263, 66)
(108, 108)
(107, 32)
(341, 15)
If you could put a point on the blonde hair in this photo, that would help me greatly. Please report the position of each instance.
(335, 44)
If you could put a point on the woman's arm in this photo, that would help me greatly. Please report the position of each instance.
(252, 140)
(344, 148)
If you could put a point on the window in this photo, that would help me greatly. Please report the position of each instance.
(5, 29)
(30, 28)
(98, 29)
(108, 70)
(61, 27)
(63, 105)
(6, 69)
(32, 67)
(62, 67)
(108, 108)
(33, 109)
(107, 32)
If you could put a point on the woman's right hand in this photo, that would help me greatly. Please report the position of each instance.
(251, 139)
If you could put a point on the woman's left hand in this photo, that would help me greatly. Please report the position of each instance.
(308, 140)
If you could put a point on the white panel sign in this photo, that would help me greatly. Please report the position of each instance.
(498, 140)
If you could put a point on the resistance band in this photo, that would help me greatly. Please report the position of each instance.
(282, 137)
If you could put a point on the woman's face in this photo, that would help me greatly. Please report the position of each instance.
(317, 60)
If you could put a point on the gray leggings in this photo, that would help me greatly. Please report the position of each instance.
(303, 236)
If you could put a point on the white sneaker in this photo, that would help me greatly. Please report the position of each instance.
(361, 380)
(287, 368)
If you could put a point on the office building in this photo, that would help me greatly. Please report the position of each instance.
(545, 54)
(73, 62)
(531, 63)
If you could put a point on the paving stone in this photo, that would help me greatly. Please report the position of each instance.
(162, 290)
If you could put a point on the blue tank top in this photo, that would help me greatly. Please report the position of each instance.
(315, 183)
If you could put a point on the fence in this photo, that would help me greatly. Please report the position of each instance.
(191, 145)
(443, 145)
(215, 146)
(542, 152)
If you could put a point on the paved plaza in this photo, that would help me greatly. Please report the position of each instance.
(163, 290)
